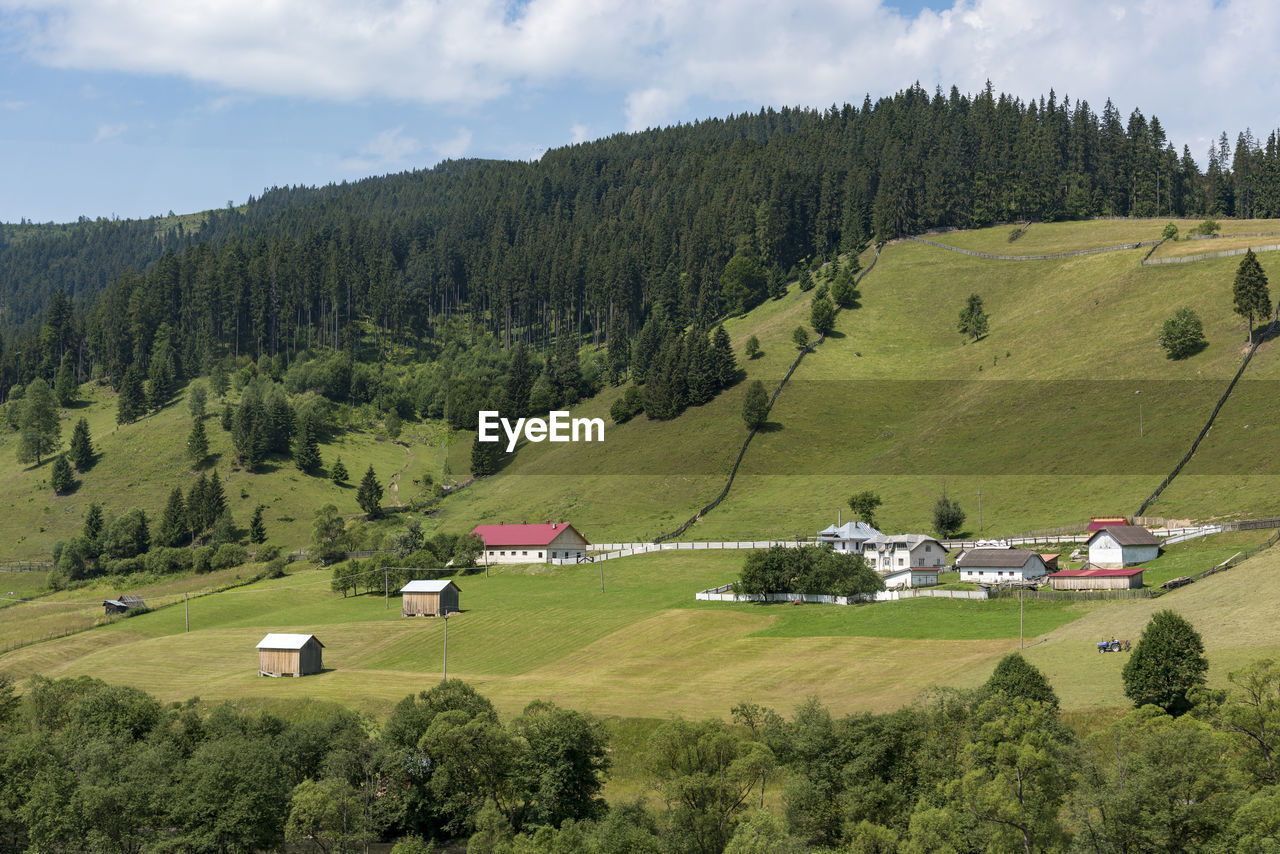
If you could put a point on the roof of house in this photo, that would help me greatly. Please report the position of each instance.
(1129, 536)
(1098, 572)
(428, 586)
(284, 640)
(1048, 556)
(523, 534)
(849, 531)
(126, 602)
(998, 558)
(908, 540)
(1097, 523)
(916, 569)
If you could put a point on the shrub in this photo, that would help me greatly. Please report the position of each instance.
(1182, 335)
(202, 559)
(269, 552)
(229, 555)
(163, 561)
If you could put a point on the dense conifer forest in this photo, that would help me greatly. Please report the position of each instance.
(586, 244)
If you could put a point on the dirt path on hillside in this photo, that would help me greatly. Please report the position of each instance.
(393, 489)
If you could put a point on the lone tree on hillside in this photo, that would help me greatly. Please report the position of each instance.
(369, 495)
(973, 318)
(755, 406)
(339, 472)
(257, 526)
(752, 348)
(864, 505)
(81, 451)
(197, 442)
(1252, 298)
(822, 316)
(40, 433)
(61, 478)
(948, 518)
(1166, 664)
(800, 337)
(1182, 335)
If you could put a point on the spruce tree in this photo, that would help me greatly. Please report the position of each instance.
(701, 379)
(174, 527)
(369, 495)
(973, 318)
(93, 523)
(131, 402)
(60, 477)
(484, 458)
(726, 366)
(197, 400)
(198, 516)
(81, 450)
(257, 526)
(1251, 295)
(306, 448)
(227, 420)
(197, 442)
(218, 380)
(339, 473)
(64, 386)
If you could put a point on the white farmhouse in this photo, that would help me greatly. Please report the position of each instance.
(525, 543)
(849, 537)
(1128, 546)
(904, 551)
(1000, 566)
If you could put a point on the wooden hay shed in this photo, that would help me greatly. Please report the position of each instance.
(121, 604)
(281, 654)
(1097, 578)
(428, 598)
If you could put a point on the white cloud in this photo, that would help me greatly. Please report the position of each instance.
(389, 150)
(1193, 62)
(456, 146)
(13, 105)
(109, 131)
(578, 132)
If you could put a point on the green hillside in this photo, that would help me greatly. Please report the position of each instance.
(1042, 415)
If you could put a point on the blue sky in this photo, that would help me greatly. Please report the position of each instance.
(137, 107)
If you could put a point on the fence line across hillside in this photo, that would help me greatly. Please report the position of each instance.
(1046, 257)
(725, 593)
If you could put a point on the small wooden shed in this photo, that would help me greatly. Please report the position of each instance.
(428, 598)
(282, 654)
(121, 604)
(1097, 578)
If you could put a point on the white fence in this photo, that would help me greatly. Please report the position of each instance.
(725, 594)
(610, 551)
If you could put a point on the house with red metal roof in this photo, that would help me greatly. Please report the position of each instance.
(526, 543)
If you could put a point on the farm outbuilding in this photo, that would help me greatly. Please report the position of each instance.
(428, 598)
(1097, 579)
(1117, 547)
(999, 566)
(910, 577)
(525, 543)
(121, 604)
(282, 654)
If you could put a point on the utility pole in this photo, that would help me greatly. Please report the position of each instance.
(1021, 645)
(386, 589)
(602, 576)
(979, 511)
(186, 610)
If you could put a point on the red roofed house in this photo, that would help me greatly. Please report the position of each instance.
(1096, 578)
(525, 543)
(1097, 523)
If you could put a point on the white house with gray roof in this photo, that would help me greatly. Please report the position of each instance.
(1000, 566)
(890, 553)
(1112, 548)
(848, 537)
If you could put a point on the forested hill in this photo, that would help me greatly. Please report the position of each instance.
(593, 237)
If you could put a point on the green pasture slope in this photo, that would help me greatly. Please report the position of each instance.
(1042, 416)
(643, 648)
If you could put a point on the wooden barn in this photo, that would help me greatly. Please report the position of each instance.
(1096, 578)
(121, 604)
(282, 654)
(428, 598)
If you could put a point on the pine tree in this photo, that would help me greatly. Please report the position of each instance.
(973, 318)
(1251, 295)
(40, 432)
(199, 517)
(339, 473)
(726, 366)
(306, 448)
(197, 442)
(60, 478)
(131, 403)
(701, 380)
(81, 450)
(755, 406)
(369, 495)
(93, 525)
(65, 387)
(822, 316)
(197, 400)
(175, 527)
(218, 380)
(258, 527)
(228, 418)
(484, 458)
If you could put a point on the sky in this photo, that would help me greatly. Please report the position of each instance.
(133, 108)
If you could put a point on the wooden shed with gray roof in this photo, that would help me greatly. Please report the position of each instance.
(121, 604)
(428, 598)
(284, 654)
